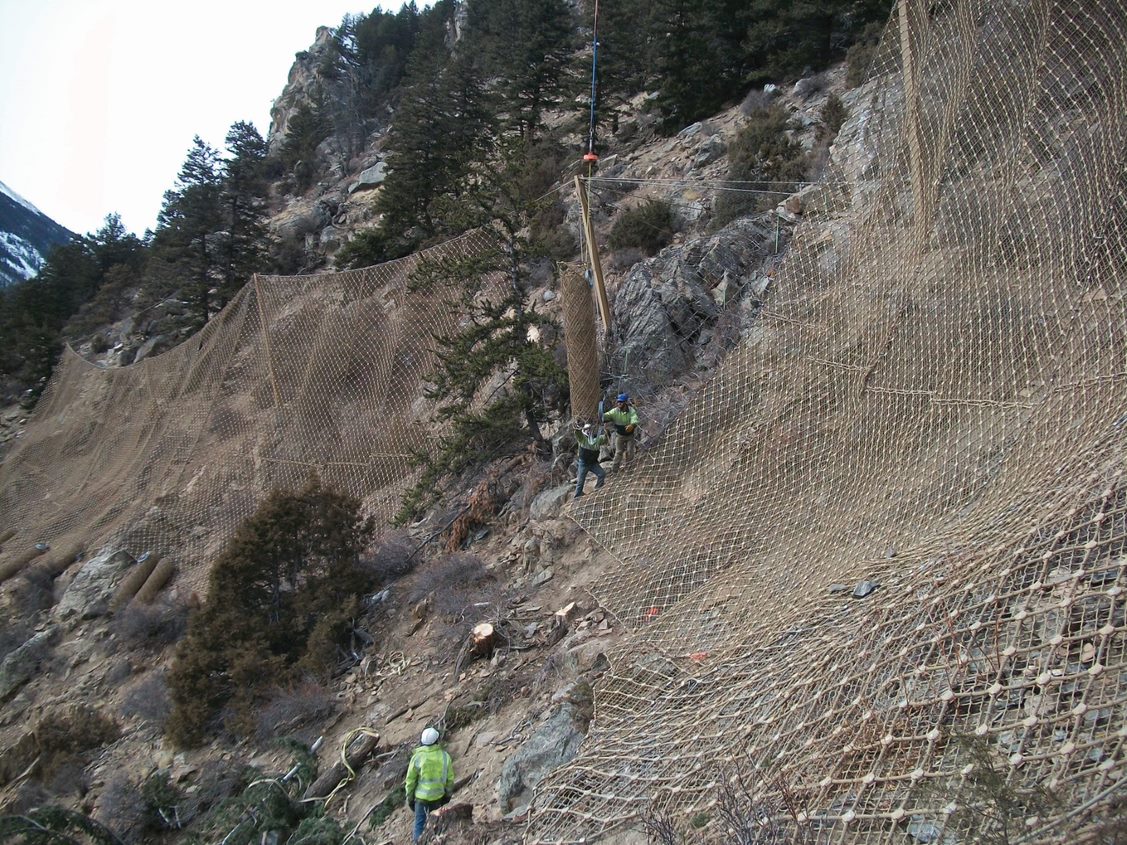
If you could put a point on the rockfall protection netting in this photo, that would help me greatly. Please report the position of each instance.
(297, 375)
(932, 400)
(580, 335)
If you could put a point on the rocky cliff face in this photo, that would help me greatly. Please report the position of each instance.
(303, 87)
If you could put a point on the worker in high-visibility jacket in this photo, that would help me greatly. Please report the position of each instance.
(590, 441)
(624, 418)
(430, 779)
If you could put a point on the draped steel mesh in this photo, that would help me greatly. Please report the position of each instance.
(297, 375)
(932, 400)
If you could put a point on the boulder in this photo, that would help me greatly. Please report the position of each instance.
(90, 592)
(549, 503)
(665, 305)
(22, 663)
(554, 744)
(373, 177)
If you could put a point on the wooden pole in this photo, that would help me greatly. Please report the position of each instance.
(912, 16)
(593, 252)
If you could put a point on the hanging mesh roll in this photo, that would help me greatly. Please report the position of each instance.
(580, 337)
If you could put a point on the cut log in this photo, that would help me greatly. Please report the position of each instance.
(482, 639)
(359, 751)
(155, 582)
(132, 582)
(56, 564)
(12, 566)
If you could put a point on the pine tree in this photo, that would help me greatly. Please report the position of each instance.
(696, 57)
(442, 131)
(243, 251)
(502, 336)
(305, 131)
(185, 252)
(625, 60)
(529, 44)
(786, 38)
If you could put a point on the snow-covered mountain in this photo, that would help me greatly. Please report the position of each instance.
(26, 237)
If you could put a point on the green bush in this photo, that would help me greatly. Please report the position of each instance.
(762, 157)
(281, 599)
(647, 227)
(833, 115)
(860, 55)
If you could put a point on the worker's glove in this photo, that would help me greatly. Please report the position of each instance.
(630, 429)
(411, 804)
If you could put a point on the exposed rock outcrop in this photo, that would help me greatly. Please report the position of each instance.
(302, 87)
(666, 308)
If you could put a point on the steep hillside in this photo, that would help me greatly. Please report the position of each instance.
(864, 582)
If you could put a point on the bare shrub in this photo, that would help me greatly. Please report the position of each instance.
(392, 558)
(62, 740)
(121, 808)
(453, 581)
(294, 707)
(32, 592)
(622, 260)
(752, 820)
(13, 634)
(27, 795)
(661, 829)
(151, 625)
(148, 700)
(756, 101)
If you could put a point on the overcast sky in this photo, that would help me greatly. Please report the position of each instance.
(99, 99)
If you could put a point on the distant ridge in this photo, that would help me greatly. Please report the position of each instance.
(27, 236)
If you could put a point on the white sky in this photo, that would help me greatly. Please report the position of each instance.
(99, 99)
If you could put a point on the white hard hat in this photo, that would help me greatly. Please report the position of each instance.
(430, 736)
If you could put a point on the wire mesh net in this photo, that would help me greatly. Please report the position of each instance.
(582, 348)
(874, 574)
(298, 375)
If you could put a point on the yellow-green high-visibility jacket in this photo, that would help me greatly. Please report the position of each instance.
(430, 774)
(621, 419)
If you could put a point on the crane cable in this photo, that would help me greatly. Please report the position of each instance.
(590, 157)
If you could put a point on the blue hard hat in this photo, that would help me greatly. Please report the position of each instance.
(622, 397)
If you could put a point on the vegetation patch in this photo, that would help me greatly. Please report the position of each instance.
(282, 598)
(768, 163)
(647, 227)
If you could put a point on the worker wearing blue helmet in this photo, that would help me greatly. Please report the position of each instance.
(624, 418)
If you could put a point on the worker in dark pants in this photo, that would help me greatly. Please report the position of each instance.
(590, 443)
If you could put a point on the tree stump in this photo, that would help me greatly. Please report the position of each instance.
(482, 639)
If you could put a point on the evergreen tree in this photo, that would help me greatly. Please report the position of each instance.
(282, 595)
(244, 209)
(36, 315)
(186, 255)
(441, 131)
(625, 61)
(306, 130)
(696, 58)
(528, 44)
(502, 335)
(786, 38)
(383, 43)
